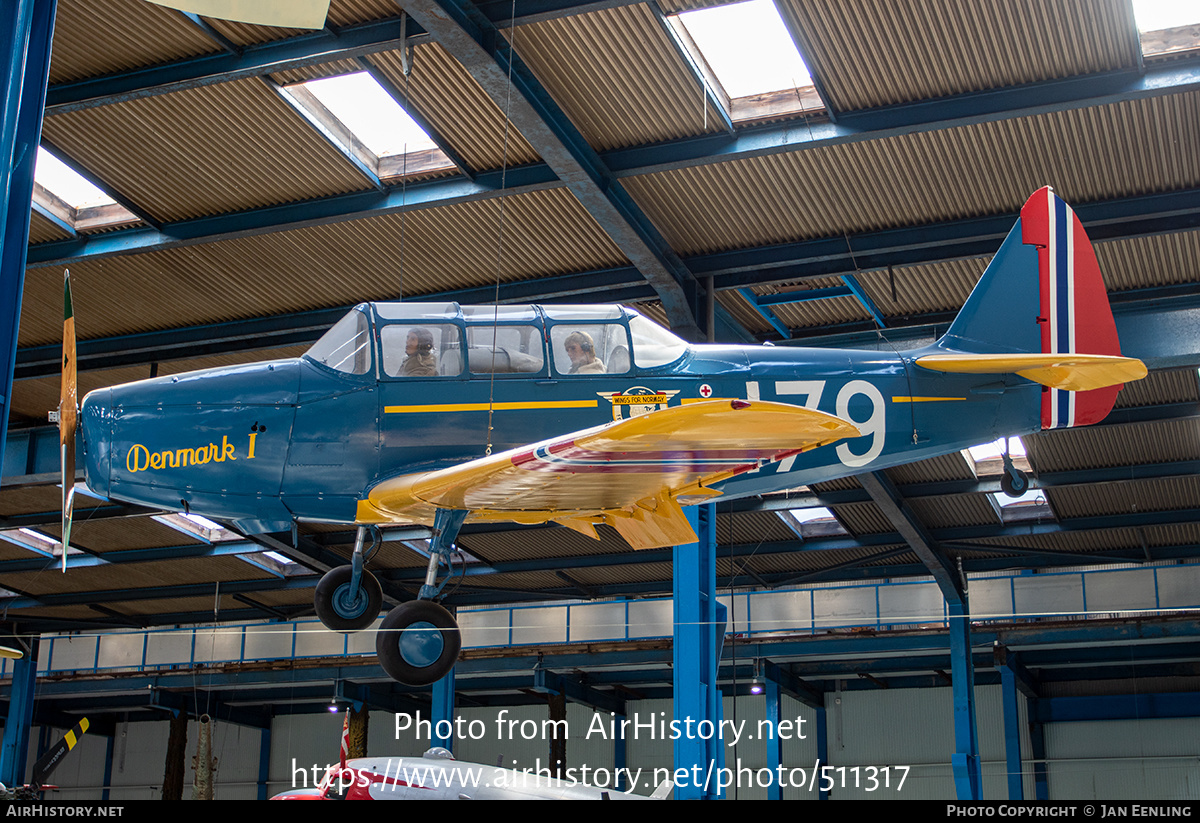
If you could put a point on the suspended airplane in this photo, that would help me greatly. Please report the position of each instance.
(441, 414)
(438, 776)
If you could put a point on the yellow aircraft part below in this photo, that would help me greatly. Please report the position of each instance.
(296, 14)
(1071, 372)
(642, 502)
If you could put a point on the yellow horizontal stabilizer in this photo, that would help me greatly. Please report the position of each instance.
(627, 473)
(1070, 372)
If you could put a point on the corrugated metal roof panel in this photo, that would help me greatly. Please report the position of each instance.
(95, 39)
(752, 527)
(37, 499)
(256, 151)
(1157, 494)
(863, 518)
(457, 109)
(947, 511)
(1070, 541)
(1175, 386)
(545, 233)
(1158, 260)
(121, 576)
(1161, 441)
(739, 307)
(1118, 150)
(877, 53)
(947, 467)
(124, 533)
(525, 544)
(618, 77)
(42, 230)
(921, 289)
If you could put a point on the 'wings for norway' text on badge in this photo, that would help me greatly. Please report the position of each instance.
(636, 401)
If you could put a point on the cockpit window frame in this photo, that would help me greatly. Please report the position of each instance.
(369, 373)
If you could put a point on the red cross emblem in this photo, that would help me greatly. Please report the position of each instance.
(706, 390)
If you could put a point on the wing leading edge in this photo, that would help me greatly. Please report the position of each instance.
(633, 474)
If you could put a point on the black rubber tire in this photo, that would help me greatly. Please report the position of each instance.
(1014, 483)
(392, 632)
(327, 590)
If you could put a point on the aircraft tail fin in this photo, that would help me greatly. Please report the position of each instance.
(1055, 328)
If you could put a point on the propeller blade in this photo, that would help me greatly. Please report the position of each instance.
(68, 414)
(50, 760)
(294, 14)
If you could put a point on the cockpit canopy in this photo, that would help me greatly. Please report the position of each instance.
(414, 339)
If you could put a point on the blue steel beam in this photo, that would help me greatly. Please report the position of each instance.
(471, 38)
(323, 211)
(26, 30)
(223, 67)
(294, 52)
(908, 118)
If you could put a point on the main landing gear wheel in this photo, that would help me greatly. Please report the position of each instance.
(343, 609)
(1014, 482)
(418, 643)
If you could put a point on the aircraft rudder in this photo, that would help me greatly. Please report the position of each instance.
(1075, 313)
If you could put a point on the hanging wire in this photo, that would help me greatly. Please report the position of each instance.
(512, 46)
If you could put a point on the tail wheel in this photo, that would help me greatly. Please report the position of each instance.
(1014, 482)
(342, 608)
(418, 643)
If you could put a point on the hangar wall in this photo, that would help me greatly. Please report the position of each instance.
(1125, 759)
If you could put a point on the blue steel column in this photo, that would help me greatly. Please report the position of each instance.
(109, 750)
(774, 745)
(443, 709)
(264, 763)
(699, 628)
(619, 754)
(15, 751)
(1037, 747)
(965, 760)
(822, 750)
(26, 29)
(1012, 733)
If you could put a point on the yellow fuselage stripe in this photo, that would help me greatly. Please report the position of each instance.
(515, 406)
(904, 399)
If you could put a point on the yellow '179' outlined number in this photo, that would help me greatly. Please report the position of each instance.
(875, 426)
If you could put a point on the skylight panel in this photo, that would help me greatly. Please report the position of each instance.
(1154, 15)
(67, 196)
(988, 451)
(366, 122)
(370, 112)
(813, 514)
(753, 57)
(1168, 27)
(65, 183)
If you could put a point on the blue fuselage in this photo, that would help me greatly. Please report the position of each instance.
(267, 443)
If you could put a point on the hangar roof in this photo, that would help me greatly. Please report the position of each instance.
(609, 170)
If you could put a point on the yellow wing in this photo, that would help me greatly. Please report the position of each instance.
(1072, 372)
(632, 474)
